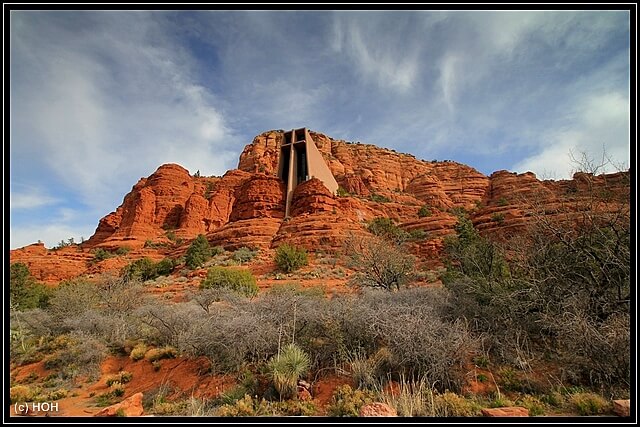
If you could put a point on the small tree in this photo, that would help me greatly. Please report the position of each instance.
(379, 263)
(24, 291)
(290, 258)
(198, 253)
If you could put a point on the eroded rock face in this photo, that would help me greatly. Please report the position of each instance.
(245, 207)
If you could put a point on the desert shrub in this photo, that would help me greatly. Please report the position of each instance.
(410, 398)
(165, 267)
(502, 201)
(346, 402)
(155, 354)
(245, 407)
(230, 336)
(417, 234)
(386, 229)
(533, 404)
(101, 254)
(553, 398)
(82, 354)
(244, 254)
(22, 393)
(117, 389)
(123, 250)
(240, 281)
(217, 250)
(341, 192)
(293, 408)
(564, 291)
(138, 352)
(450, 404)
(58, 394)
(141, 269)
(24, 291)
(379, 198)
(198, 252)
(424, 211)
(498, 217)
(286, 368)
(248, 406)
(121, 377)
(589, 403)
(378, 263)
(290, 258)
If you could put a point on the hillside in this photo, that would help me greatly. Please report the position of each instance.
(245, 207)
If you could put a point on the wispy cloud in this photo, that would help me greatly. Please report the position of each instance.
(380, 56)
(104, 99)
(597, 126)
(100, 99)
(22, 197)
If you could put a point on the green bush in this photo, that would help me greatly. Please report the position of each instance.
(24, 292)
(244, 254)
(589, 403)
(385, 228)
(342, 192)
(424, 211)
(121, 377)
(156, 354)
(346, 402)
(101, 254)
(503, 201)
(498, 217)
(533, 404)
(198, 253)
(138, 352)
(290, 258)
(286, 369)
(240, 281)
(217, 250)
(379, 198)
(140, 269)
(165, 267)
(123, 250)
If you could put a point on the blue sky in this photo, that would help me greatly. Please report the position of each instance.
(101, 99)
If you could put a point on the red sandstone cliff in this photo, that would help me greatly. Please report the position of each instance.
(245, 207)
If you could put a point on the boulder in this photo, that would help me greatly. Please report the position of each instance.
(622, 408)
(130, 407)
(377, 409)
(507, 411)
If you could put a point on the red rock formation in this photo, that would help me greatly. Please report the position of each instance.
(377, 409)
(245, 207)
(622, 408)
(130, 407)
(508, 411)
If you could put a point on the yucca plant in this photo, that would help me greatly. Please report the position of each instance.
(286, 368)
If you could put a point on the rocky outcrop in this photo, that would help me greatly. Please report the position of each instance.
(130, 407)
(246, 206)
(512, 201)
(52, 266)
